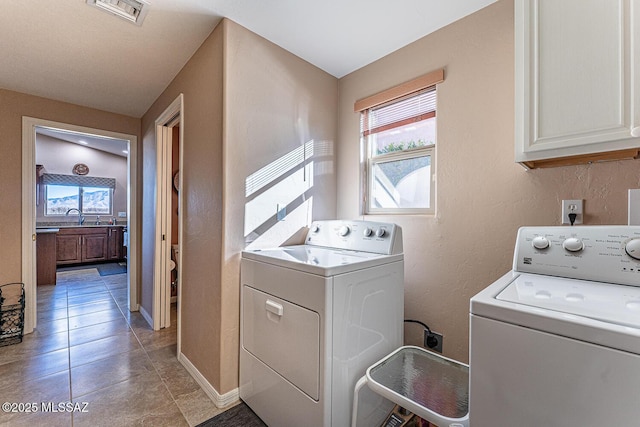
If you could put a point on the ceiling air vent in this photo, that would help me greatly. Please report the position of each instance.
(131, 10)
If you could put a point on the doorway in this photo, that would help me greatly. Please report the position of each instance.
(32, 126)
(169, 202)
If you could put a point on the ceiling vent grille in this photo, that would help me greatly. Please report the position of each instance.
(131, 10)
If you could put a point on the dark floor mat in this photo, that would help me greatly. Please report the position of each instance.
(75, 267)
(238, 416)
(111, 268)
(106, 269)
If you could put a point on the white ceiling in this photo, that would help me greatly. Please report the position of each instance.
(69, 51)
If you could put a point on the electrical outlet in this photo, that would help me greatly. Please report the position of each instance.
(433, 340)
(572, 206)
(122, 214)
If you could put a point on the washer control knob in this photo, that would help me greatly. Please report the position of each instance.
(540, 242)
(344, 230)
(573, 244)
(381, 232)
(315, 228)
(367, 232)
(632, 248)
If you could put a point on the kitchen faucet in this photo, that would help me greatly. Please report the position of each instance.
(80, 216)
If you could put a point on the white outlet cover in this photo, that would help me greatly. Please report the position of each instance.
(566, 210)
(122, 214)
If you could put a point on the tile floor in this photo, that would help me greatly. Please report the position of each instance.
(89, 348)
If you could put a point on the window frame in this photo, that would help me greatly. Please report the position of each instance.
(369, 159)
(412, 153)
(80, 201)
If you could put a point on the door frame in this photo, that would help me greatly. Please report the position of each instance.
(172, 116)
(29, 125)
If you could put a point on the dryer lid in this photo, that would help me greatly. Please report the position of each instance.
(611, 303)
(319, 260)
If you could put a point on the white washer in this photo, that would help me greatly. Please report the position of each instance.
(556, 341)
(314, 317)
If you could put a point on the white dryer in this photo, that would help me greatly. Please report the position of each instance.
(556, 341)
(315, 316)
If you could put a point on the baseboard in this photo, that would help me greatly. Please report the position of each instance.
(146, 316)
(220, 400)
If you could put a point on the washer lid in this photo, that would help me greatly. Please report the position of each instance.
(616, 304)
(319, 260)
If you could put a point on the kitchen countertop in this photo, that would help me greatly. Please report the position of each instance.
(40, 230)
(67, 225)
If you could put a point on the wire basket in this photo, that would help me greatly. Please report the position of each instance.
(11, 313)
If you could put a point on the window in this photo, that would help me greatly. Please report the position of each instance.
(398, 135)
(90, 195)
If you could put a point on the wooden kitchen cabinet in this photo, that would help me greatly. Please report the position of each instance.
(46, 258)
(577, 86)
(81, 244)
(115, 241)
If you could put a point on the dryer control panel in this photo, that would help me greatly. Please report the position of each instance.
(364, 236)
(601, 253)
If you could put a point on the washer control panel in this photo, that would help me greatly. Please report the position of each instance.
(365, 236)
(600, 253)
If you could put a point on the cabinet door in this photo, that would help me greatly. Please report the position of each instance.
(46, 259)
(68, 248)
(94, 247)
(576, 83)
(114, 243)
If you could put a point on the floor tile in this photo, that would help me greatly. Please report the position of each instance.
(94, 318)
(102, 348)
(32, 345)
(124, 403)
(31, 368)
(95, 332)
(88, 298)
(53, 388)
(109, 371)
(55, 314)
(51, 327)
(91, 307)
(89, 347)
(197, 407)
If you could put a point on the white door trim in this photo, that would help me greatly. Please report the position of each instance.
(172, 116)
(29, 125)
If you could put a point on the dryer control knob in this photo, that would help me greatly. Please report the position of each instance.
(540, 242)
(573, 244)
(381, 232)
(632, 248)
(367, 232)
(344, 230)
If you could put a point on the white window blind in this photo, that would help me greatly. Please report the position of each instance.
(409, 109)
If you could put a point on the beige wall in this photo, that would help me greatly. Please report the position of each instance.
(274, 104)
(13, 106)
(201, 83)
(482, 195)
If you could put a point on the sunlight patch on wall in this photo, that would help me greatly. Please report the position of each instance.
(261, 208)
(282, 230)
(274, 170)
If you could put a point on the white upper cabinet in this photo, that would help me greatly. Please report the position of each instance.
(577, 75)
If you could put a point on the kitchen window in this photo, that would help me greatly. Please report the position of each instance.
(398, 137)
(90, 195)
